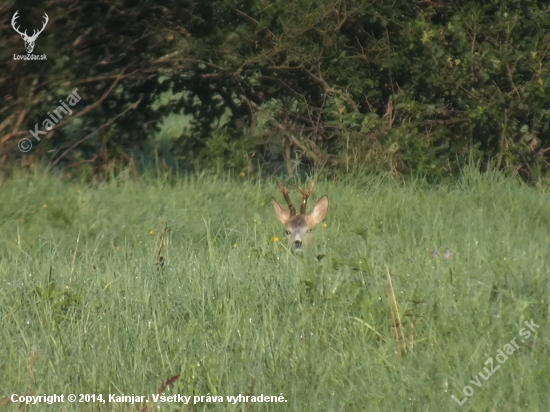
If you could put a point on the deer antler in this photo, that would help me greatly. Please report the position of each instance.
(43, 27)
(24, 34)
(284, 191)
(15, 17)
(305, 196)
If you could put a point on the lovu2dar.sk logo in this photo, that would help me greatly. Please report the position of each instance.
(29, 40)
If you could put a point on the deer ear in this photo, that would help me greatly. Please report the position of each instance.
(282, 214)
(319, 211)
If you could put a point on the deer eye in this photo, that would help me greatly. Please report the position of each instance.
(309, 231)
(287, 232)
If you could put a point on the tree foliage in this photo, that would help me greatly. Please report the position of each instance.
(424, 86)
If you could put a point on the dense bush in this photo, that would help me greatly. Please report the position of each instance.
(424, 86)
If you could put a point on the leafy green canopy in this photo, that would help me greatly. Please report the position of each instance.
(403, 85)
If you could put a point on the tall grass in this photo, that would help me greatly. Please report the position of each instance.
(85, 308)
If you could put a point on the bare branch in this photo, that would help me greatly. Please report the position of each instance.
(133, 106)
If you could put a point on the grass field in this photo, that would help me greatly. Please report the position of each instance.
(85, 309)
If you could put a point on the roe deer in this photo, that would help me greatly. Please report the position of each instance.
(299, 227)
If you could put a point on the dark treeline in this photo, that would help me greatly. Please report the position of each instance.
(424, 86)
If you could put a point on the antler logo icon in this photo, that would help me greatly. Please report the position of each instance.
(29, 40)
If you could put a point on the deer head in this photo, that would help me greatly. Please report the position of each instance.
(29, 40)
(299, 227)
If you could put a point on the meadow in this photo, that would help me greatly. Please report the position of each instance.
(410, 290)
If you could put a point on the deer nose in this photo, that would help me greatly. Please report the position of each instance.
(297, 244)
